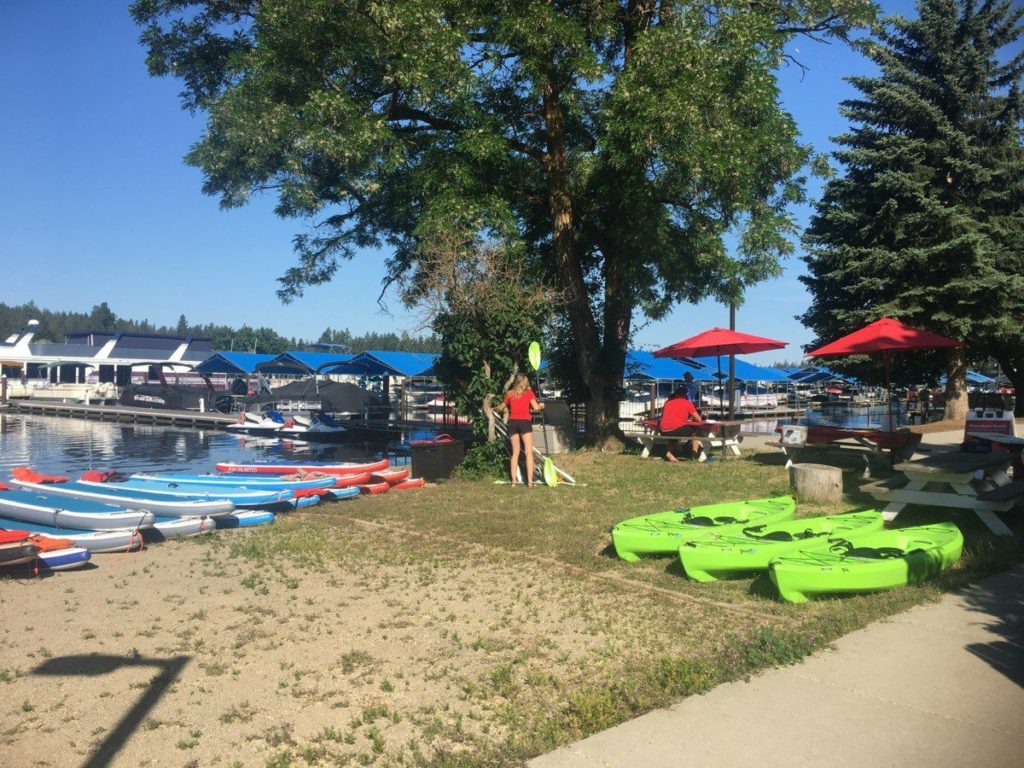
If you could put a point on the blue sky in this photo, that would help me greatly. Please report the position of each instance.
(96, 204)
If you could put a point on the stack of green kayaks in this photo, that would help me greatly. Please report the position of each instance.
(868, 562)
(713, 554)
(663, 532)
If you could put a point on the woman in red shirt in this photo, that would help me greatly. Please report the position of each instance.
(521, 403)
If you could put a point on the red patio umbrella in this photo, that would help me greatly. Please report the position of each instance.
(884, 336)
(718, 342)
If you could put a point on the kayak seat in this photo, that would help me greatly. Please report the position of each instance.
(872, 553)
(710, 521)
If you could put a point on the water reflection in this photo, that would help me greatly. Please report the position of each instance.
(71, 446)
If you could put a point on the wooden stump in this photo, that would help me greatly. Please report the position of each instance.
(817, 482)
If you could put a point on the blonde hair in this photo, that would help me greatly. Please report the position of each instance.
(519, 385)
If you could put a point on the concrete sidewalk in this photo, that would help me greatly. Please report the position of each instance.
(941, 685)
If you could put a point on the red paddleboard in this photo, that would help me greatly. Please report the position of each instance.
(412, 482)
(390, 476)
(374, 488)
(291, 468)
(347, 481)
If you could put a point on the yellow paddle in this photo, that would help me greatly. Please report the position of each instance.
(549, 472)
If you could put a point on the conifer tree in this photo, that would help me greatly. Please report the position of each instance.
(926, 224)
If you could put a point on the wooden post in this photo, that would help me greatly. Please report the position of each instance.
(817, 482)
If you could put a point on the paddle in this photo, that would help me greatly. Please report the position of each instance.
(549, 473)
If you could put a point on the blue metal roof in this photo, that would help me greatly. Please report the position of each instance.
(303, 363)
(744, 371)
(386, 363)
(232, 362)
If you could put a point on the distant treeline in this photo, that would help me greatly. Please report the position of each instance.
(55, 326)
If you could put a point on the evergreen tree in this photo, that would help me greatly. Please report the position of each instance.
(927, 223)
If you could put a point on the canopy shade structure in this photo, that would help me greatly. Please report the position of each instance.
(746, 371)
(641, 364)
(301, 363)
(385, 363)
(718, 342)
(885, 335)
(236, 363)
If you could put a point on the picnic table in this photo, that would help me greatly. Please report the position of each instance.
(869, 443)
(713, 434)
(974, 481)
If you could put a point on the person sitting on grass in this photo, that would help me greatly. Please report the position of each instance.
(676, 416)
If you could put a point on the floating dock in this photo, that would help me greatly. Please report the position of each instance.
(196, 419)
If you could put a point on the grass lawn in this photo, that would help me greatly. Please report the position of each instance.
(533, 634)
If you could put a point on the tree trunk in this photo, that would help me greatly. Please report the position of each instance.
(570, 272)
(1013, 367)
(956, 386)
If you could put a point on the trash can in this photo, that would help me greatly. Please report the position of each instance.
(436, 459)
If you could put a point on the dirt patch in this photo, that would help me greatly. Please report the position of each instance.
(366, 656)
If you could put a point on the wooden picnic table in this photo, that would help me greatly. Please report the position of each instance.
(974, 481)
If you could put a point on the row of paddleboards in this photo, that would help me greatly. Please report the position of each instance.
(110, 512)
(835, 554)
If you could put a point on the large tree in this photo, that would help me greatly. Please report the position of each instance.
(926, 223)
(612, 143)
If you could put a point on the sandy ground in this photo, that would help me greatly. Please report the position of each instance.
(188, 655)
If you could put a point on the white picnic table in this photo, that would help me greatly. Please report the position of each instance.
(713, 434)
(974, 481)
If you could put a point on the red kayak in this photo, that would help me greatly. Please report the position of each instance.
(374, 488)
(414, 482)
(293, 468)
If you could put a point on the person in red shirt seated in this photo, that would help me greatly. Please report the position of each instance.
(521, 403)
(676, 416)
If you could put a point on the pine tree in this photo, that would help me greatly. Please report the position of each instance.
(927, 223)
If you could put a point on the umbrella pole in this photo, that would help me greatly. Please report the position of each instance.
(887, 362)
(721, 390)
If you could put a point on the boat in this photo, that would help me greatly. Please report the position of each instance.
(322, 429)
(240, 497)
(16, 548)
(373, 488)
(94, 541)
(62, 512)
(867, 562)
(348, 492)
(300, 468)
(235, 481)
(127, 498)
(245, 519)
(663, 532)
(412, 482)
(64, 559)
(713, 554)
(268, 425)
(171, 527)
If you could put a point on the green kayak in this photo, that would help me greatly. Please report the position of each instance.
(752, 548)
(663, 532)
(868, 562)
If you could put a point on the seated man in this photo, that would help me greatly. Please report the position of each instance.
(675, 417)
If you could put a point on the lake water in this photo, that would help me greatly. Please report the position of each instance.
(58, 445)
(837, 415)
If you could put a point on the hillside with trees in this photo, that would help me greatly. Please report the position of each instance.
(54, 326)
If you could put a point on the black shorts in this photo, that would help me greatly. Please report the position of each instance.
(520, 426)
